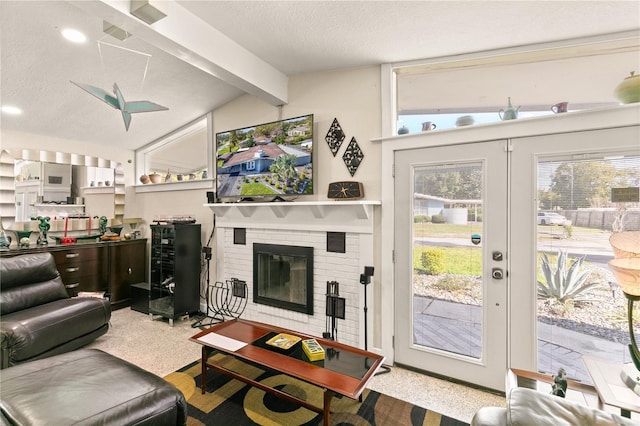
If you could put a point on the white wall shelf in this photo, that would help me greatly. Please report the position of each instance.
(327, 215)
(98, 190)
(175, 186)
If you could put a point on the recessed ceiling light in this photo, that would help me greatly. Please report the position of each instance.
(74, 36)
(11, 110)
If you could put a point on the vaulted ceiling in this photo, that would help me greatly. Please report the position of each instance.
(206, 53)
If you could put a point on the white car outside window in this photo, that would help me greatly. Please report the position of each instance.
(546, 218)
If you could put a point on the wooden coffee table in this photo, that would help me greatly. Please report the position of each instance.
(346, 370)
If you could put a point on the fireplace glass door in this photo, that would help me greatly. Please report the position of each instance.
(283, 276)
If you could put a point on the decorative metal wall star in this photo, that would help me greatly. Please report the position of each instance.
(118, 102)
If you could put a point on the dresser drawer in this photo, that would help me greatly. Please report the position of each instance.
(72, 271)
(76, 254)
(90, 283)
(83, 269)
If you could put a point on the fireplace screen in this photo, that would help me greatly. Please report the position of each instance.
(283, 276)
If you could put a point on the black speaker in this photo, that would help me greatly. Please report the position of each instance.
(336, 242)
(240, 236)
(365, 278)
(211, 197)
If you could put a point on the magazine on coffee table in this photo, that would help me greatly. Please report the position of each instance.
(223, 342)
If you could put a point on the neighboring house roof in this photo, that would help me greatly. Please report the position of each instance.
(295, 150)
(261, 139)
(271, 150)
(225, 156)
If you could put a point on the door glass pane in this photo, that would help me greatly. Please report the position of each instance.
(581, 310)
(447, 257)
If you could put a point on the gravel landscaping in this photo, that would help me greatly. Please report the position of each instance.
(605, 316)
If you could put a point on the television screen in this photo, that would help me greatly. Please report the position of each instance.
(269, 160)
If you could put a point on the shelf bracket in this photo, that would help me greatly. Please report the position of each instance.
(317, 211)
(247, 210)
(279, 211)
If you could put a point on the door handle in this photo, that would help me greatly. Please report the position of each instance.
(497, 273)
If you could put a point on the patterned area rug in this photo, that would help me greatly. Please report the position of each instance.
(231, 402)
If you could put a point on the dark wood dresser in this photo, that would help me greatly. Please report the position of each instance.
(109, 266)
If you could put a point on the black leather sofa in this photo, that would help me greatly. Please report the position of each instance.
(87, 387)
(38, 319)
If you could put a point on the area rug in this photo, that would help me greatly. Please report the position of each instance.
(231, 402)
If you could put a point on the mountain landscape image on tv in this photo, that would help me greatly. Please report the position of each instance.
(269, 160)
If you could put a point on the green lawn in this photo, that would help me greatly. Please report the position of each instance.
(249, 189)
(457, 260)
(468, 260)
(437, 229)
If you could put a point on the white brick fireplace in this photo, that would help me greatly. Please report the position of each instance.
(302, 224)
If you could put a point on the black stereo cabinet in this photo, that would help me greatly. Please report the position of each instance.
(175, 270)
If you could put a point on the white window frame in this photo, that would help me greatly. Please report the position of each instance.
(583, 46)
(174, 137)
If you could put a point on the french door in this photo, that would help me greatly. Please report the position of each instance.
(469, 246)
(571, 175)
(451, 273)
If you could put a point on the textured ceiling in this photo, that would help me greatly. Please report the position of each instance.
(292, 36)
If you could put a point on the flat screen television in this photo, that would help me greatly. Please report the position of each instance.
(269, 161)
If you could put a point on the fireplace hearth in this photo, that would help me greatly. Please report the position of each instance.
(283, 276)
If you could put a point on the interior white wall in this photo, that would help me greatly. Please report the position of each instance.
(351, 96)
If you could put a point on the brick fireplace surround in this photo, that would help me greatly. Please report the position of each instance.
(302, 224)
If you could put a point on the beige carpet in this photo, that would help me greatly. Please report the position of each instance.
(149, 343)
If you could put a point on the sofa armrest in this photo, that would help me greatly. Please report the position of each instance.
(9, 340)
(529, 407)
(490, 416)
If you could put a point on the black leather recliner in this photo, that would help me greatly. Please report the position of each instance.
(38, 319)
(87, 387)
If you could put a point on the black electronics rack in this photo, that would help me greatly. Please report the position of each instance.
(175, 270)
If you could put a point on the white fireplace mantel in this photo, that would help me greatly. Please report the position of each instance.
(352, 216)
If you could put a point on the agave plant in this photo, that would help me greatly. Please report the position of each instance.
(564, 283)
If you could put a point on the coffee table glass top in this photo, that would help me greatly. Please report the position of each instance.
(341, 361)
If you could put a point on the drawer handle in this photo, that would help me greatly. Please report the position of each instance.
(74, 285)
(129, 271)
(77, 268)
(71, 255)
